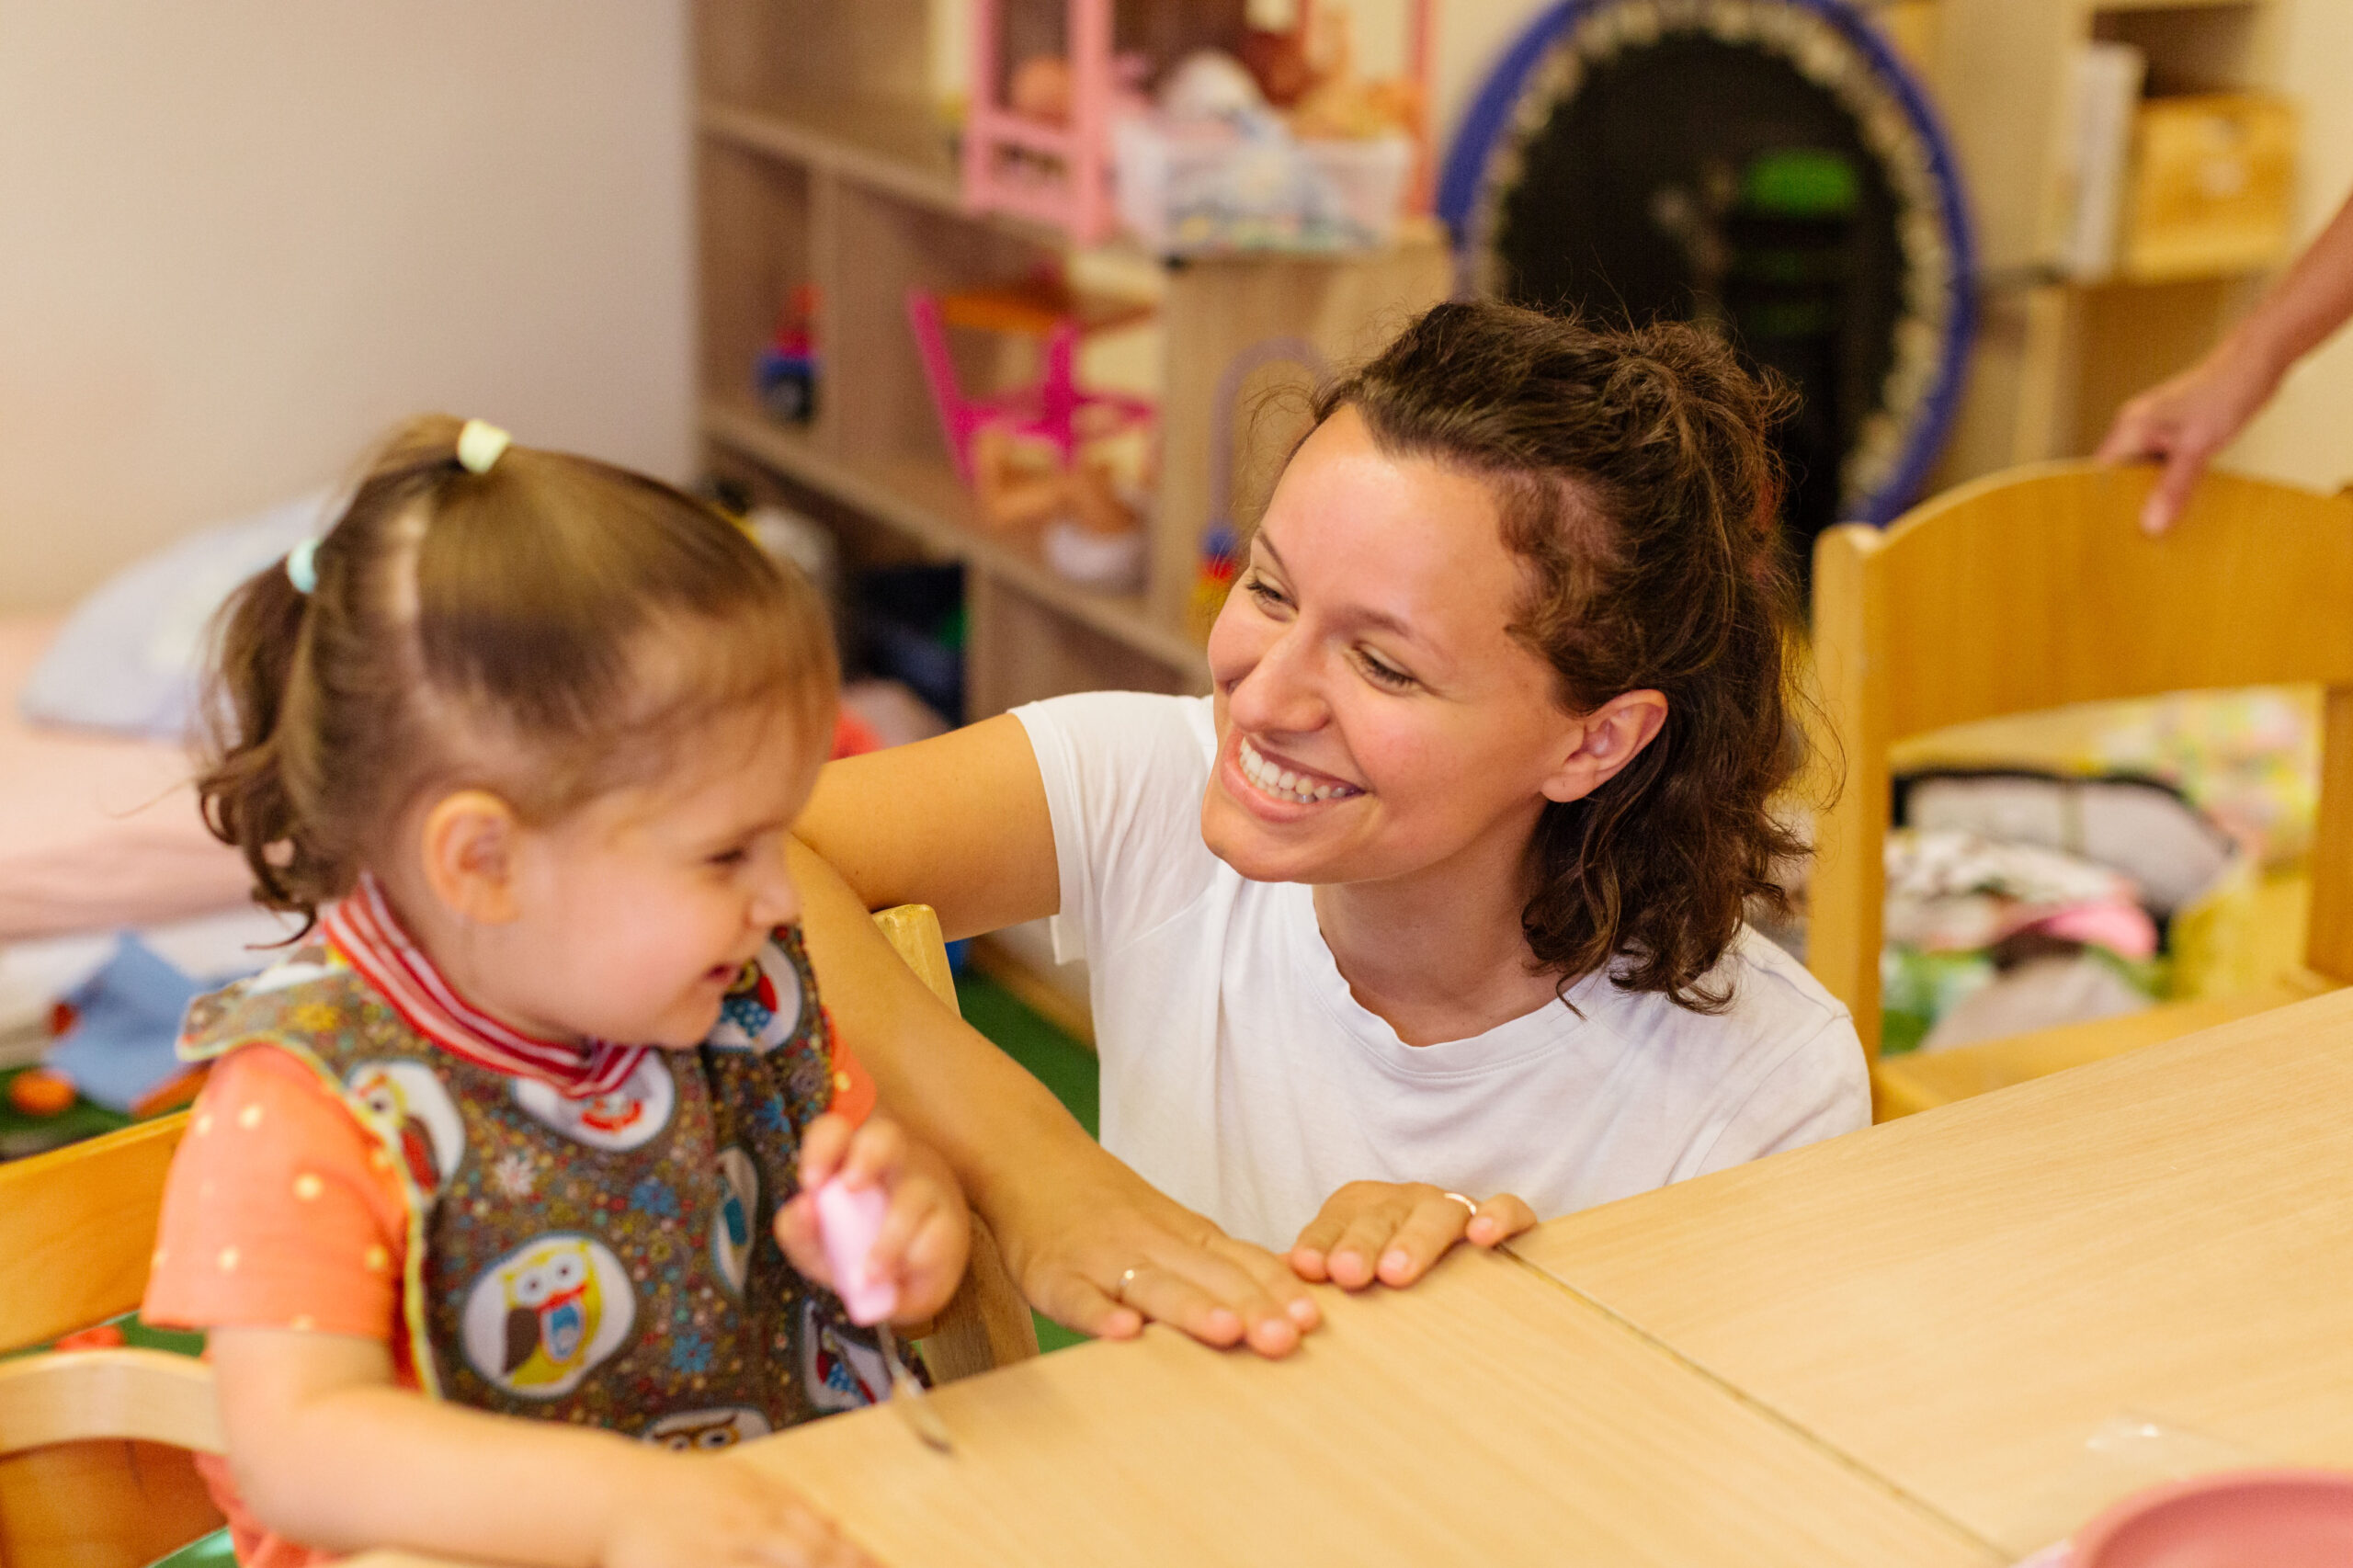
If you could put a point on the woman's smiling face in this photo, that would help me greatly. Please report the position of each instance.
(1375, 718)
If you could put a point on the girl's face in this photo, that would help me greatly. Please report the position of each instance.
(1375, 720)
(635, 913)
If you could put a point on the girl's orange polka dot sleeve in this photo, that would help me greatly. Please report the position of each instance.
(280, 1211)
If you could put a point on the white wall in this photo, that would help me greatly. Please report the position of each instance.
(238, 239)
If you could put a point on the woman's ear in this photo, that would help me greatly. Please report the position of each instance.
(469, 841)
(1612, 735)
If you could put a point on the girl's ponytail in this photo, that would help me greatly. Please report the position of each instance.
(247, 799)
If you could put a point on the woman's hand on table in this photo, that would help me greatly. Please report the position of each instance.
(1104, 1252)
(926, 1233)
(1392, 1232)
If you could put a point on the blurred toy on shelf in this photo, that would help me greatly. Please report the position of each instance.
(1214, 135)
(1055, 409)
(1040, 456)
(1092, 521)
(909, 628)
(786, 374)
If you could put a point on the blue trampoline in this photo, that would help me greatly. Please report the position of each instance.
(1767, 166)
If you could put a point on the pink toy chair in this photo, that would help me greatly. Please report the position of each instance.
(1055, 409)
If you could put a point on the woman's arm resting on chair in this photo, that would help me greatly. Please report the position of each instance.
(960, 823)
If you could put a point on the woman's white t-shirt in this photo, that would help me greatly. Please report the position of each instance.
(1240, 1077)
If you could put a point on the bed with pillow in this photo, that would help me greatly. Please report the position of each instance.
(101, 847)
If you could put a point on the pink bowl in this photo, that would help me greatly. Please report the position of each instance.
(2279, 1518)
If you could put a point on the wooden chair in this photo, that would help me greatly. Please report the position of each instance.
(2035, 589)
(95, 1473)
(987, 1323)
(95, 1444)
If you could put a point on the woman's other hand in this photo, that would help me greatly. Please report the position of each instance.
(1392, 1232)
(926, 1233)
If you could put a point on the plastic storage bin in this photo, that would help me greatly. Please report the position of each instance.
(1186, 190)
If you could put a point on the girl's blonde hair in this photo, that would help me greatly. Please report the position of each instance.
(549, 628)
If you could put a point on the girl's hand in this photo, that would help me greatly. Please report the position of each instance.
(1392, 1232)
(699, 1511)
(926, 1233)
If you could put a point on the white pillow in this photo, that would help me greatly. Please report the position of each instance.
(127, 659)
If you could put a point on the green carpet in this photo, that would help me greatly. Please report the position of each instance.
(1056, 1060)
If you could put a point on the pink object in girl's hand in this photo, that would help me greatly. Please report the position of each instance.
(847, 1221)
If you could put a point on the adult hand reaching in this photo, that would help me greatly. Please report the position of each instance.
(2186, 420)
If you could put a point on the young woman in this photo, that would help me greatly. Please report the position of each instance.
(1429, 922)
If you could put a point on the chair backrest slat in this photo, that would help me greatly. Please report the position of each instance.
(77, 1227)
(2035, 589)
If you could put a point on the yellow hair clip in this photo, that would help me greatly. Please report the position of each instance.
(480, 445)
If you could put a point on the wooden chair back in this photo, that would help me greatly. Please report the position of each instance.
(987, 1323)
(95, 1444)
(2034, 590)
(95, 1469)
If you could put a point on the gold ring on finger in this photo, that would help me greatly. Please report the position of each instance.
(1472, 1204)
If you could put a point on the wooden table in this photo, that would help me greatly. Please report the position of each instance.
(1960, 1300)
(1485, 1417)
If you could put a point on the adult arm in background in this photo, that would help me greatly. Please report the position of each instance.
(2186, 420)
(961, 823)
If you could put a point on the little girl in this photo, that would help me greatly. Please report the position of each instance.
(478, 1191)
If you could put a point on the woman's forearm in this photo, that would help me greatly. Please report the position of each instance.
(954, 1090)
(2306, 305)
(1089, 1242)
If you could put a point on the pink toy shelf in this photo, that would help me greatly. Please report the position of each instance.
(1003, 148)
(1057, 168)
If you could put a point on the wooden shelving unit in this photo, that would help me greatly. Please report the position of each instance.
(2056, 358)
(820, 162)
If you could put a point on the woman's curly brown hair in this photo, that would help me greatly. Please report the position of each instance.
(1634, 481)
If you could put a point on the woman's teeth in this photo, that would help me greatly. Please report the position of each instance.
(1284, 785)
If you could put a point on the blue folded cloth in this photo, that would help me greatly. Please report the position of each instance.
(127, 1019)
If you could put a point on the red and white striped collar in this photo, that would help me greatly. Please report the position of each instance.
(364, 930)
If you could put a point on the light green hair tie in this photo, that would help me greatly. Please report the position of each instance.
(302, 567)
(480, 445)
